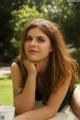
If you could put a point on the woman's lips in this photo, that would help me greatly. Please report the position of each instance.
(33, 51)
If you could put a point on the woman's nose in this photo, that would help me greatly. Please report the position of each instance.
(33, 42)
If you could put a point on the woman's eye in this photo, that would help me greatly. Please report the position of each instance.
(40, 40)
(28, 39)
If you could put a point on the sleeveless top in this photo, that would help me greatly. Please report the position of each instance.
(66, 101)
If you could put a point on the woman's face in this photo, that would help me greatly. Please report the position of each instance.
(37, 45)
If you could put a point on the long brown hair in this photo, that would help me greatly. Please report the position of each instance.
(61, 63)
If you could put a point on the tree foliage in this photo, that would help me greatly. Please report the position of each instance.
(6, 6)
(22, 16)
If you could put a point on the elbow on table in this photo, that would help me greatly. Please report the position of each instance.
(19, 109)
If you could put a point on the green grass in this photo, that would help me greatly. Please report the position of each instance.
(6, 92)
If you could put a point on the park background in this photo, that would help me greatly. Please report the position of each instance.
(15, 13)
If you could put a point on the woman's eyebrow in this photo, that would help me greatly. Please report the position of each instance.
(28, 35)
(40, 36)
(37, 36)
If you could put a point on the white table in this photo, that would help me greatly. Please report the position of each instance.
(66, 114)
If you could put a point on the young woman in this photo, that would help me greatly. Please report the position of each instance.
(43, 71)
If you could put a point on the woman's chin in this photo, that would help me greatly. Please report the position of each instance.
(34, 60)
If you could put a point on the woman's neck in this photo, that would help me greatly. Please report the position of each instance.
(42, 65)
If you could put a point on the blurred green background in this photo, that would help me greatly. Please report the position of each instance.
(6, 91)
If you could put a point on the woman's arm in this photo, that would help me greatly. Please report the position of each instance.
(42, 113)
(25, 100)
(50, 109)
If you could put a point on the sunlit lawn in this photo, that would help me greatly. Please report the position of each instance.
(6, 94)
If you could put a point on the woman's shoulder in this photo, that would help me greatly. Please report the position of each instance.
(15, 64)
(15, 69)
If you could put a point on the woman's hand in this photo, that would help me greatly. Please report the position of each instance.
(30, 67)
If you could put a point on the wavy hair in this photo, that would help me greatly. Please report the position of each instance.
(61, 63)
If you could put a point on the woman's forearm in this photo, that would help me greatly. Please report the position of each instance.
(43, 113)
(26, 100)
